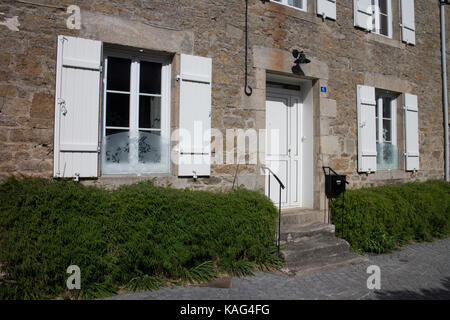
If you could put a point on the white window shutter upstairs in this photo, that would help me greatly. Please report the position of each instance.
(408, 22)
(411, 132)
(367, 146)
(195, 116)
(77, 103)
(327, 9)
(363, 12)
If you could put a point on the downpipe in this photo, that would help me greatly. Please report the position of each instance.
(444, 89)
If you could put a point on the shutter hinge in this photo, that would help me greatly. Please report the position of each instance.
(100, 68)
(98, 149)
(62, 105)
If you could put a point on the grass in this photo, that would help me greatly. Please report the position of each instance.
(137, 236)
(382, 218)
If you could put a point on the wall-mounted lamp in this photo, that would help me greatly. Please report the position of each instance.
(300, 57)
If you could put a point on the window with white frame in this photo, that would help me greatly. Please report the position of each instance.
(297, 4)
(135, 115)
(386, 132)
(382, 17)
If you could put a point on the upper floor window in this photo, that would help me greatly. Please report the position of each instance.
(298, 4)
(382, 17)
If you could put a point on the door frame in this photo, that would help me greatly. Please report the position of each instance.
(280, 93)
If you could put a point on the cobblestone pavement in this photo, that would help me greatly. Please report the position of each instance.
(419, 271)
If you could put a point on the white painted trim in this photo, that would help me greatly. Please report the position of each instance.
(57, 124)
(394, 126)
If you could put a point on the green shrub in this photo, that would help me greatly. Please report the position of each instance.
(139, 236)
(378, 219)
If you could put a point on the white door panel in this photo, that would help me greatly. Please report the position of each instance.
(283, 145)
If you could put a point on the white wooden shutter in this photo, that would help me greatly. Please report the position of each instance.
(77, 107)
(411, 132)
(195, 116)
(327, 9)
(408, 22)
(363, 14)
(367, 145)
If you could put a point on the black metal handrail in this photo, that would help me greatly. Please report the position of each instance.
(279, 204)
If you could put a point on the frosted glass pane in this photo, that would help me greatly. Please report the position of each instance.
(117, 146)
(150, 147)
(126, 153)
(387, 156)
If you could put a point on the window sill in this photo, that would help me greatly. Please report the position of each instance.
(289, 11)
(375, 37)
(389, 175)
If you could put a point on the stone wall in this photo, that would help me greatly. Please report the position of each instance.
(342, 58)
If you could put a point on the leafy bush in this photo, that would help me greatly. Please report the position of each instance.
(378, 219)
(138, 236)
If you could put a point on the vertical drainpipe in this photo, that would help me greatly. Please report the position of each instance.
(444, 89)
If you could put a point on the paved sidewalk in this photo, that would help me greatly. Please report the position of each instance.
(419, 271)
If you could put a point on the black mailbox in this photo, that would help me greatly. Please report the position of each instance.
(334, 183)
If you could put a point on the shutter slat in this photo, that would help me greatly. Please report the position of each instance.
(327, 9)
(367, 148)
(408, 22)
(411, 133)
(77, 106)
(363, 14)
(195, 116)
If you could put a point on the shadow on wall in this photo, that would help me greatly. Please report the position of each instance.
(442, 293)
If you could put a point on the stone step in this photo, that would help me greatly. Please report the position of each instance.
(295, 233)
(301, 217)
(323, 263)
(308, 250)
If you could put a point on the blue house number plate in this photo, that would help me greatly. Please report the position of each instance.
(323, 89)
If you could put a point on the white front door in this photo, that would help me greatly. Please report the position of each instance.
(283, 146)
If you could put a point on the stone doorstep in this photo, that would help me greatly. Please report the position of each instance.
(301, 217)
(324, 264)
(295, 233)
(314, 248)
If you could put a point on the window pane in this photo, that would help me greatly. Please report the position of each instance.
(117, 146)
(387, 134)
(149, 147)
(296, 3)
(383, 6)
(387, 108)
(118, 78)
(117, 110)
(149, 112)
(384, 29)
(150, 77)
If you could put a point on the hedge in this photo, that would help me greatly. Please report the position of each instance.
(137, 236)
(381, 218)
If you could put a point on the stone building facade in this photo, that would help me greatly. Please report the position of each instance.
(342, 57)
